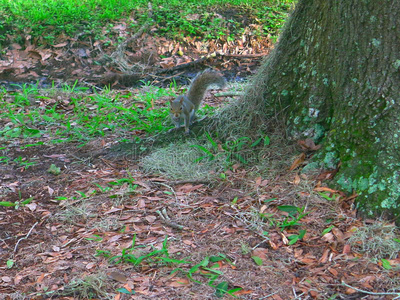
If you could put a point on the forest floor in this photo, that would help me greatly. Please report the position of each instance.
(86, 223)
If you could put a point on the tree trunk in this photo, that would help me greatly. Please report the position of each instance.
(336, 74)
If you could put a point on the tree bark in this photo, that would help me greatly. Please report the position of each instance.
(335, 72)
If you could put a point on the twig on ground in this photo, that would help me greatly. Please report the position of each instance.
(25, 237)
(167, 220)
(198, 181)
(270, 295)
(372, 293)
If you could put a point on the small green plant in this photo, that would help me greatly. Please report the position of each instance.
(54, 170)
(158, 256)
(294, 238)
(209, 266)
(295, 214)
(10, 263)
(231, 151)
(16, 204)
(129, 181)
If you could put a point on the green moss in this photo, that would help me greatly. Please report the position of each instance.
(396, 64)
(315, 165)
(319, 132)
(345, 183)
(362, 184)
(376, 43)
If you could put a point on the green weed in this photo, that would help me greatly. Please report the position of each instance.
(128, 255)
(160, 257)
(16, 204)
(231, 151)
(295, 214)
(294, 238)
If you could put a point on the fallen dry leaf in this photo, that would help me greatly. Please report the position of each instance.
(298, 161)
(324, 257)
(90, 265)
(333, 271)
(150, 219)
(261, 253)
(308, 145)
(179, 282)
(346, 249)
(118, 276)
(328, 237)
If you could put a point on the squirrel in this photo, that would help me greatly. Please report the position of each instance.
(185, 106)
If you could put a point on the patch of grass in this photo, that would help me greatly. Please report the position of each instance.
(73, 114)
(377, 240)
(203, 19)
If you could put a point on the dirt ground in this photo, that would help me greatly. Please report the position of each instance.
(62, 241)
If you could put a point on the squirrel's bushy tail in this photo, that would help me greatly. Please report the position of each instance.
(201, 83)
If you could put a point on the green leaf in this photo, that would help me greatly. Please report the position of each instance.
(302, 233)
(293, 239)
(221, 289)
(204, 149)
(289, 209)
(125, 291)
(30, 132)
(27, 201)
(267, 141)
(269, 200)
(256, 142)
(232, 291)
(386, 264)
(257, 260)
(213, 143)
(326, 230)
(240, 158)
(216, 258)
(10, 263)
(7, 203)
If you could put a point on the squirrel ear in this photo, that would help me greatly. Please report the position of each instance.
(181, 100)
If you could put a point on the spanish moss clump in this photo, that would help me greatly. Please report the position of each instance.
(181, 161)
(377, 240)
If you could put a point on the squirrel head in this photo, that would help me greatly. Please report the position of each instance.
(176, 106)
